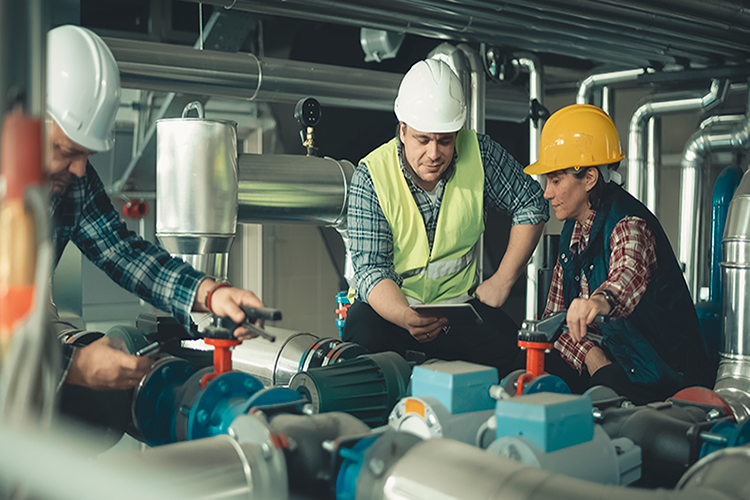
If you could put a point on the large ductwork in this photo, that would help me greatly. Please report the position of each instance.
(714, 136)
(638, 123)
(600, 31)
(733, 378)
(171, 68)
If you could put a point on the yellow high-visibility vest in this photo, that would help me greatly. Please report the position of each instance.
(446, 273)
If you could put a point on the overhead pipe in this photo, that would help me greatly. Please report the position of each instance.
(613, 34)
(639, 121)
(531, 64)
(591, 83)
(171, 68)
(712, 138)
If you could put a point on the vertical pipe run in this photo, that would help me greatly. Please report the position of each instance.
(653, 162)
(530, 63)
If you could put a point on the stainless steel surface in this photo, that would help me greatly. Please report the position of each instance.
(22, 56)
(653, 162)
(531, 64)
(213, 264)
(641, 117)
(196, 185)
(715, 136)
(592, 82)
(215, 467)
(171, 68)
(733, 378)
(632, 33)
(276, 363)
(293, 188)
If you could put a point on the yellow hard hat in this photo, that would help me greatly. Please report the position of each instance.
(576, 136)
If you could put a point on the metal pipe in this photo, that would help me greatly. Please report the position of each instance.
(587, 87)
(653, 161)
(291, 188)
(171, 68)
(640, 118)
(733, 377)
(448, 469)
(617, 34)
(711, 138)
(531, 64)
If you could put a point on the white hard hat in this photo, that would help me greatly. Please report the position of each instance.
(83, 86)
(431, 99)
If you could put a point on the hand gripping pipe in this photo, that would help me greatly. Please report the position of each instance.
(638, 123)
(709, 139)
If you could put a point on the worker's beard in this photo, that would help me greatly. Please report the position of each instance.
(59, 182)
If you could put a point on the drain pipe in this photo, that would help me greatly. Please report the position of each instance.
(531, 64)
(709, 139)
(638, 123)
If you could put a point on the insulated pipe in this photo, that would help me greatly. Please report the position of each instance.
(447, 469)
(617, 34)
(171, 68)
(709, 139)
(587, 87)
(531, 64)
(643, 114)
(293, 188)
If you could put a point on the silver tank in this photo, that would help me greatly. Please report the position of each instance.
(196, 189)
(291, 188)
(733, 377)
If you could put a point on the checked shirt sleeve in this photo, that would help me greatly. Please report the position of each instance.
(370, 236)
(137, 265)
(631, 264)
(507, 188)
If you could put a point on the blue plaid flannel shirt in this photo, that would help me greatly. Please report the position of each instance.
(506, 188)
(84, 215)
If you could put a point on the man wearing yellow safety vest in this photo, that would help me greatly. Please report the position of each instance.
(416, 212)
(614, 259)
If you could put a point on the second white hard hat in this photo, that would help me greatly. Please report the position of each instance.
(83, 86)
(431, 99)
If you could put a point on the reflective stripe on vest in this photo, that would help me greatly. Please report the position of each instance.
(449, 271)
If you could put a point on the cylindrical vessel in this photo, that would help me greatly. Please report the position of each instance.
(196, 190)
(291, 188)
(275, 363)
(733, 378)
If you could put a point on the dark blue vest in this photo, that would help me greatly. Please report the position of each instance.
(660, 342)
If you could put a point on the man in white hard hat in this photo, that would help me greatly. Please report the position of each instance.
(83, 96)
(416, 213)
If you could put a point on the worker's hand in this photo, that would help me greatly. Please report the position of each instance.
(492, 292)
(595, 359)
(226, 301)
(106, 364)
(582, 312)
(423, 328)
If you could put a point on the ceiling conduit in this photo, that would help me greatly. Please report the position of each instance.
(583, 29)
(638, 122)
(593, 82)
(172, 68)
(712, 138)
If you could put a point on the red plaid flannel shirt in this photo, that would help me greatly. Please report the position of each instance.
(631, 263)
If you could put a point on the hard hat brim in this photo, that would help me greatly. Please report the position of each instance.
(540, 168)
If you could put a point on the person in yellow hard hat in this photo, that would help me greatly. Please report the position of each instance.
(416, 213)
(616, 260)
